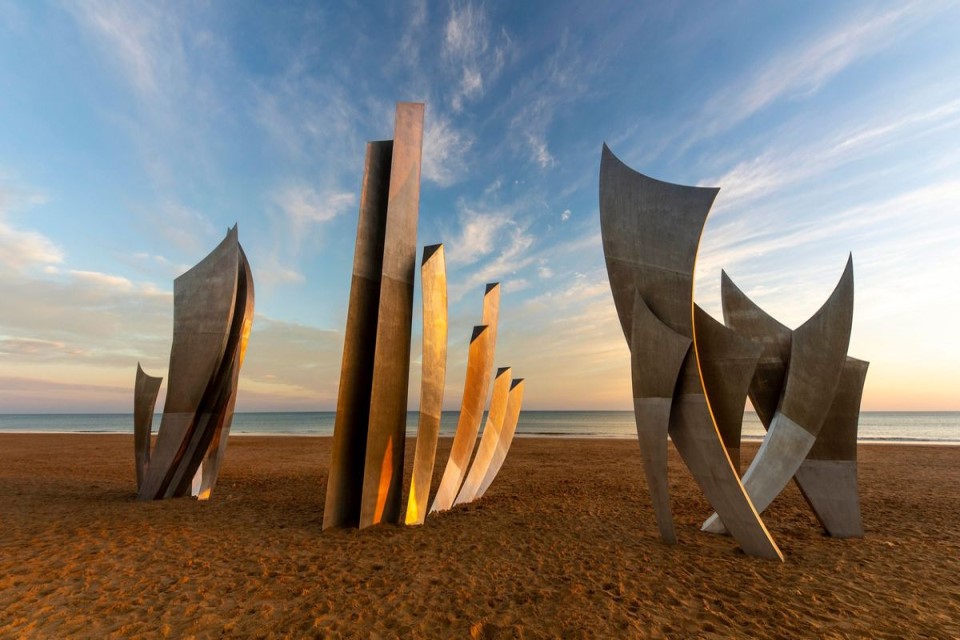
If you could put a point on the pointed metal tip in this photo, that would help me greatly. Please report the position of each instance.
(477, 330)
(429, 250)
(491, 286)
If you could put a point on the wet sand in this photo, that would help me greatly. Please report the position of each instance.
(563, 545)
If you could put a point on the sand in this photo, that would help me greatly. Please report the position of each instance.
(563, 545)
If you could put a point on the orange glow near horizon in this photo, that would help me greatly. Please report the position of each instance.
(386, 476)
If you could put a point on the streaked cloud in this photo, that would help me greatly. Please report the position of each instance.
(444, 150)
(802, 69)
(474, 51)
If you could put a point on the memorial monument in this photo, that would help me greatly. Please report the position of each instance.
(213, 314)
(691, 374)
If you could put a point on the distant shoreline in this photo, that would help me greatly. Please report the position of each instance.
(532, 436)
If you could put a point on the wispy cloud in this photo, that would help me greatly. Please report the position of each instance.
(444, 150)
(474, 52)
(794, 161)
(493, 241)
(23, 248)
(303, 205)
(137, 38)
(801, 70)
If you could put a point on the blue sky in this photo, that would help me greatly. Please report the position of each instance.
(133, 134)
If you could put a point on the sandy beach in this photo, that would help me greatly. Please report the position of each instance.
(563, 545)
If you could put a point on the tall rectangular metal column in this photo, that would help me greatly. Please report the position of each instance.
(345, 480)
(386, 435)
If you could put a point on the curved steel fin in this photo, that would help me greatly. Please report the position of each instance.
(488, 441)
(510, 419)
(651, 232)
(243, 323)
(144, 401)
(433, 282)
(727, 364)
(655, 359)
(818, 352)
(203, 306)
(475, 387)
(744, 316)
(828, 477)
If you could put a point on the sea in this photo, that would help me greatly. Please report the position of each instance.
(928, 427)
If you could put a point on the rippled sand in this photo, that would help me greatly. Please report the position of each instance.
(564, 544)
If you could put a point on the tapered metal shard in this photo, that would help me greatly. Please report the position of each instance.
(345, 480)
(488, 441)
(144, 401)
(828, 476)
(216, 407)
(433, 282)
(204, 300)
(213, 312)
(655, 359)
(818, 352)
(510, 419)
(386, 433)
(727, 364)
(651, 231)
(218, 446)
(475, 387)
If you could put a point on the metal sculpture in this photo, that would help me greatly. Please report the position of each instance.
(144, 401)
(727, 364)
(488, 441)
(366, 470)
(433, 282)
(510, 419)
(651, 232)
(827, 475)
(386, 434)
(213, 314)
(475, 387)
(345, 479)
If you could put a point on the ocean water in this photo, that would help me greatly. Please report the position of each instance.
(875, 426)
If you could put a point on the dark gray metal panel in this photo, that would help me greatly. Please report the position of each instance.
(433, 282)
(217, 449)
(727, 363)
(144, 401)
(386, 433)
(818, 352)
(828, 477)
(215, 410)
(204, 301)
(837, 439)
(817, 355)
(651, 231)
(745, 317)
(345, 478)
(655, 359)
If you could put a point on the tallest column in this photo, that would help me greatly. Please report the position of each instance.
(386, 437)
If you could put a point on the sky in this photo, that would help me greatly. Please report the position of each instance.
(132, 135)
